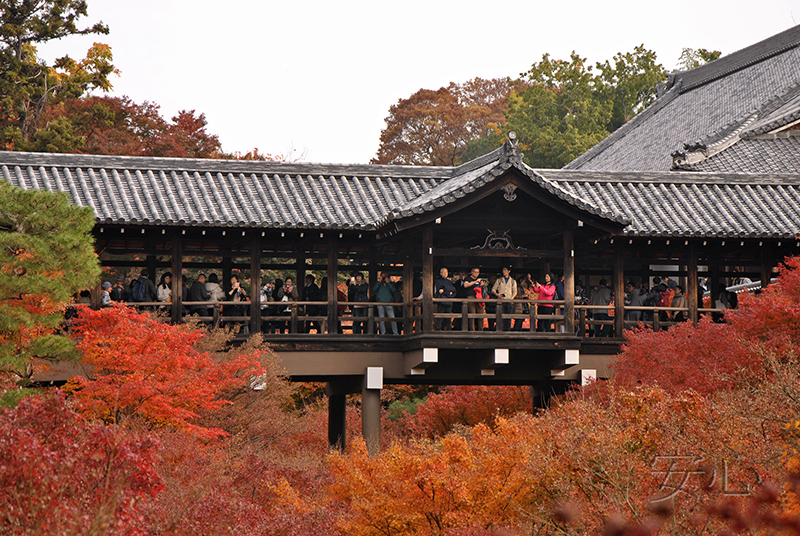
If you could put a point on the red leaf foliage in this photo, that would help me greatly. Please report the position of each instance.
(151, 371)
(710, 357)
(465, 405)
(61, 474)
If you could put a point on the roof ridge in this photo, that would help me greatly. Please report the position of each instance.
(612, 138)
(508, 151)
(214, 165)
(774, 104)
(714, 143)
(740, 59)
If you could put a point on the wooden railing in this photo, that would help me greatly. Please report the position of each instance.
(361, 318)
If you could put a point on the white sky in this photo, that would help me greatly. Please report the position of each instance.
(319, 76)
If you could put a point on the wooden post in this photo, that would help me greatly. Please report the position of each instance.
(569, 281)
(333, 279)
(766, 266)
(177, 279)
(371, 410)
(427, 279)
(300, 274)
(408, 287)
(337, 413)
(227, 272)
(619, 290)
(151, 267)
(255, 284)
(373, 275)
(691, 283)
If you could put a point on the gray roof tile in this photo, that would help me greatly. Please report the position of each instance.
(715, 100)
(199, 193)
(688, 204)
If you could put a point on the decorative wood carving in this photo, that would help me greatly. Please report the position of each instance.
(508, 192)
(498, 240)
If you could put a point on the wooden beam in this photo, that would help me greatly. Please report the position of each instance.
(177, 280)
(427, 279)
(766, 266)
(408, 285)
(692, 298)
(300, 274)
(227, 273)
(521, 253)
(255, 284)
(619, 290)
(333, 279)
(569, 281)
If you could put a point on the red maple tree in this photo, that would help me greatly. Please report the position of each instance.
(142, 369)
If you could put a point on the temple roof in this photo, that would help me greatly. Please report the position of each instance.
(710, 110)
(225, 193)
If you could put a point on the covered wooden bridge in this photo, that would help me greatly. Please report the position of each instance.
(291, 219)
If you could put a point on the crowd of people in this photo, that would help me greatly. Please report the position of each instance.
(480, 295)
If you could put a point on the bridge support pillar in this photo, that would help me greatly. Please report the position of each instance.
(371, 409)
(336, 421)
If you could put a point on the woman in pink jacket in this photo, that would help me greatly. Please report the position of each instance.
(546, 292)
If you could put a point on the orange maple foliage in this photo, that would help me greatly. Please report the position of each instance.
(139, 368)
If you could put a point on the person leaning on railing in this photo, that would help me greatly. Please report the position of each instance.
(601, 295)
(546, 292)
(679, 300)
(444, 288)
(358, 291)
(384, 290)
(199, 293)
(634, 297)
(505, 288)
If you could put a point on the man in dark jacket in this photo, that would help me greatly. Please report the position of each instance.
(149, 287)
(444, 288)
(358, 291)
(311, 292)
(198, 292)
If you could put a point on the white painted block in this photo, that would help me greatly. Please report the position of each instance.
(417, 371)
(430, 355)
(374, 378)
(501, 356)
(487, 372)
(572, 357)
(556, 372)
(588, 376)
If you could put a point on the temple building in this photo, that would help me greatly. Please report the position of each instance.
(702, 184)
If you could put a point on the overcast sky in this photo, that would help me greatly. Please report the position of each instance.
(319, 76)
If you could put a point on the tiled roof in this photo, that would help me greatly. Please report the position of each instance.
(687, 204)
(165, 191)
(772, 154)
(221, 193)
(715, 100)
(475, 174)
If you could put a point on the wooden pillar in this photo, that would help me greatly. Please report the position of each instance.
(337, 413)
(177, 280)
(569, 281)
(227, 272)
(713, 283)
(95, 294)
(333, 279)
(766, 266)
(300, 274)
(373, 274)
(408, 286)
(427, 279)
(619, 290)
(371, 409)
(150, 264)
(691, 283)
(255, 284)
